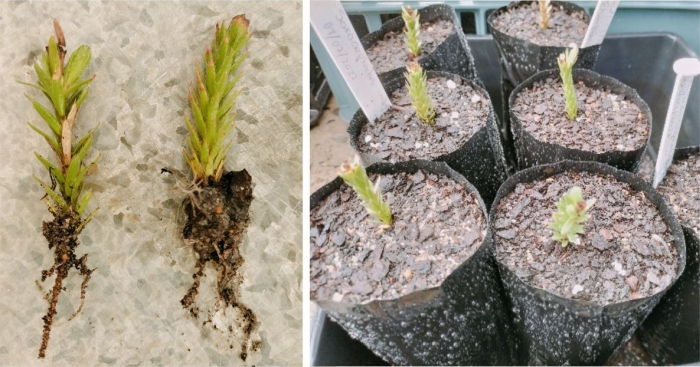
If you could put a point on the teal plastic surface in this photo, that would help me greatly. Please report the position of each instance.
(678, 17)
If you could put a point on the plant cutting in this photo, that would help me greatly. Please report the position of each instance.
(423, 290)
(435, 116)
(671, 334)
(218, 201)
(575, 305)
(430, 36)
(66, 90)
(590, 117)
(567, 220)
(545, 12)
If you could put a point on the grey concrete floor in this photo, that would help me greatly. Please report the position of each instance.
(144, 55)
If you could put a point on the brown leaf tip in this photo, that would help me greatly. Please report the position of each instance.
(242, 20)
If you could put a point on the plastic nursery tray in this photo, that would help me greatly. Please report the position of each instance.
(642, 61)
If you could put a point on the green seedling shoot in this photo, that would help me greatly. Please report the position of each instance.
(213, 102)
(545, 13)
(417, 85)
(354, 174)
(566, 65)
(571, 212)
(411, 19)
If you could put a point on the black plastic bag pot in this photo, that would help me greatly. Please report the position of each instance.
(671, 334)
(464, 321)
(532, 152)
(451, 56)
(480, 159)
(560, 331)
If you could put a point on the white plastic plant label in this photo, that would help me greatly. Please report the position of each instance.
(600, 22)
(686, 69)
(333, 27)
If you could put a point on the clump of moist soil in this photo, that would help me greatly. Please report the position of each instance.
(625, 253)
(523, 22)
(399, 135)
(62, 234)
(681, 189)
(606, 121)
(217, 218)
(391, 52)
(437, 226)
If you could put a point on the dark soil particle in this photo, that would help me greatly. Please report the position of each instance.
(62, 235)
(523, 22)
(625, 253)
(681, 189)
(391, 52)
(215, 227)
(399, 135)
(605, 122)
(437, 225)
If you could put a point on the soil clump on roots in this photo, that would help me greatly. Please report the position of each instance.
(217, 218)
(62, 234)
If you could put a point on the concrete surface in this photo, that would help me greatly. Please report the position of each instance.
(144, 55)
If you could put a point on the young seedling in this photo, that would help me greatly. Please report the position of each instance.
(411, 19)
(417, 85)
(566, 65)
(354, 174)
(571, 212)
(66, 91)
(545, 12)
(218, 202)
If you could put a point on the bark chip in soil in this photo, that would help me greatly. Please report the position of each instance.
(437, 226)
(217, 218)
(399, 135)
(523, 22)
(391, 52)
(605, 122)
(681, 190)
(625, 253)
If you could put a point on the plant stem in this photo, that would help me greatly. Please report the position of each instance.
(566, 65)
(417, 85)
(411, 19)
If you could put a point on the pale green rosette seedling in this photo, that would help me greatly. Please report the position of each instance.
(354, 174)
(566, 65)
(545, 12)
(571, 212)
(66, 90)
(213, 102)
(417, 85)
(411, 19)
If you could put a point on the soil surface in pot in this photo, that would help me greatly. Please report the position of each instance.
(391, 51)
(605, 122)
(523, 22)
(681, 189)
(215, 227)
(437, 226)
(399, 135)
(626, 251)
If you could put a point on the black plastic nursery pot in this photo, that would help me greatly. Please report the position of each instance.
(464, 321)
(480, 159)
(532, 152)
(561, 331)
(671, 333)
(452, 56)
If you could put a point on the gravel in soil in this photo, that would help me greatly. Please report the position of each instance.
(681, 189)
(437, 226)
(523, 22)
(391, 52)
(605, 122)
(625, 253)
(399, 135)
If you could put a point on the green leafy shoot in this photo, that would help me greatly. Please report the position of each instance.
(417, 85)
(411, 19)
(571, 212)
(66, 90)
(213, 101)
(545, 13)
(354, 174)
(566, 65)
